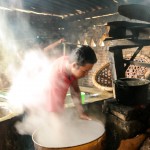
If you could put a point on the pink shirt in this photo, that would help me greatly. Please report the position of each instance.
(59, 84)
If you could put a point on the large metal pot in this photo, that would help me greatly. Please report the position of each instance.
(131, 91)
(83, 141)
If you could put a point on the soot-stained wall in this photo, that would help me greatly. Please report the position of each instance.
(91, 32)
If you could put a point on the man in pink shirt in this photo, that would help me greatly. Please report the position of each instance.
(65, 72)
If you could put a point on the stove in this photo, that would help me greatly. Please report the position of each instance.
(123, 122)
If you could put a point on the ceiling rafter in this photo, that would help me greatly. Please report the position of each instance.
(64, 8)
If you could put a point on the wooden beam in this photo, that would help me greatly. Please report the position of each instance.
(125, 29)
(101, 21)
(127, 43)
(137, 63)
(119, 63)
(113, 48)
(101, 12)
(128, 25)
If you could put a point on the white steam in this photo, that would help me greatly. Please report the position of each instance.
(29, 73)
(50, 129)
(31, 83)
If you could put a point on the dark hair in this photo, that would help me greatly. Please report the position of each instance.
(83, 55)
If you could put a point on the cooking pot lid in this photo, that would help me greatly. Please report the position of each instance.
(135, 11)
(131, 82)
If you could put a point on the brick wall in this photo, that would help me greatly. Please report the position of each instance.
(102, 55)
(93, 31)
(85, 31)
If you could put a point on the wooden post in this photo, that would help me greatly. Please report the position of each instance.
(64, 48)
(113, 71)
(119, 63)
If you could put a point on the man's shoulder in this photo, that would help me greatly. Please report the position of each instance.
(60, 62)
(62, 58)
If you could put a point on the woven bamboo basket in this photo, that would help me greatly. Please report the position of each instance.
(102, 78)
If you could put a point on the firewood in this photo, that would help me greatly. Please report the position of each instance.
(133, 143)
(146, 144)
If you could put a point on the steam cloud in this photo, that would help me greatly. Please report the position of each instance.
(27, 68)
(29, 74)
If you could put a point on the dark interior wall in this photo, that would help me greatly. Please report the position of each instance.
(80, 31)
(32, 28)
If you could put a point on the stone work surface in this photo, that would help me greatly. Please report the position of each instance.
(125, 123)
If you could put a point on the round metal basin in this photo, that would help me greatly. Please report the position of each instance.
(87, 135)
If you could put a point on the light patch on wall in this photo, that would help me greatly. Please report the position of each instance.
(93, 43)
(30, 12)
(87, 18)
(115, 1)
(104, 15)
(78, 43)
(96, 16)
(102, 44)
(85, 42)
(69, 15)
(79, 11)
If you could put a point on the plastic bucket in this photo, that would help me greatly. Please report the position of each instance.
(82, 97)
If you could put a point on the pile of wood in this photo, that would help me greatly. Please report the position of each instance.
(133, 143)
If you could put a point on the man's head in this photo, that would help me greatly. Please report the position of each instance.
(82, 60)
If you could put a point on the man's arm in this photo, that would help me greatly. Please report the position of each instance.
(75, 94)
(53, 45)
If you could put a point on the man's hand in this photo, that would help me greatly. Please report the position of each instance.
(53, 45)
(61, 40)
(85, 116)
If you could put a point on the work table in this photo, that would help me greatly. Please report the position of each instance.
(94, 94)
(91, 95)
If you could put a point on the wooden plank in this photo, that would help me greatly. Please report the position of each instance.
(132, 143)
(127, 43)
(121, 47)
(146, 144)
(124, 29)
(127, 24)
(137, 63)
(112, 66)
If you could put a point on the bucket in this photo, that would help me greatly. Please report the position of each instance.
(131, 91)
(82, 97)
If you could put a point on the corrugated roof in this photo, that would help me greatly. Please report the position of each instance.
(64, 7)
